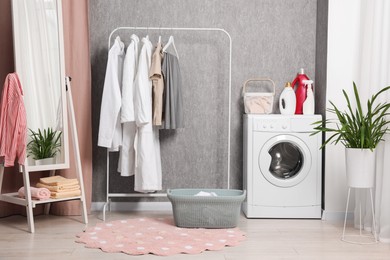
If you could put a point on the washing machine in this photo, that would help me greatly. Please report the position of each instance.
(282, 166)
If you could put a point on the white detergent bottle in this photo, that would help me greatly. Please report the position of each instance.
(287, 100)
(308, 105)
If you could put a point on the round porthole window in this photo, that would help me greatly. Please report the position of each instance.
(286, 160)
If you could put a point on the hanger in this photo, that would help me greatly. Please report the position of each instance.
(147, 33)
(171, 41)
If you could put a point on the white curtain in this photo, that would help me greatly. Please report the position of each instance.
(37, 61)
(372, 72)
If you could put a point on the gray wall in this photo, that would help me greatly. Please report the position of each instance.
(321, 55)
(272, 38)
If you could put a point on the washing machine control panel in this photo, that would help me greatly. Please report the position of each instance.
(272, 125)
(282, 123)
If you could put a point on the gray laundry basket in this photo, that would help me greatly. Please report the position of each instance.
(191, 211)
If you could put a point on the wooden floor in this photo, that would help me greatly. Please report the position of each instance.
(266, 239)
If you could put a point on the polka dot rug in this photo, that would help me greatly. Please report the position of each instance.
(158, 236)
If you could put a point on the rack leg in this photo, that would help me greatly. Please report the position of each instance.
(104, 210)
(47, 205)
(346, 212)
(1, 176)
(360, 217)
(27, 193)
(373, 217)
(75, 142)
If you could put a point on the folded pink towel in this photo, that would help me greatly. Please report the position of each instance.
(36, 193)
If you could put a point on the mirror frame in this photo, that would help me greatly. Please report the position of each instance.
(18, 60)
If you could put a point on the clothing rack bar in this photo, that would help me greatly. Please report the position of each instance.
(137, 195)
(110, 195)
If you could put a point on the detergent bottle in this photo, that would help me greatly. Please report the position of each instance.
(300, 91)
(308, 105)
(287, 101)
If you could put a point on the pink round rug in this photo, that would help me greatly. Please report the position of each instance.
(158, 236)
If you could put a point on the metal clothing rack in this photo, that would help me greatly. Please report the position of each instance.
(110, 195)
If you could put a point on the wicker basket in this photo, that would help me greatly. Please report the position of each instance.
(258, 102)
(192, 211)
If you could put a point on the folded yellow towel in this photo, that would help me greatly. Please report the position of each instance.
(59, 188)
(65, 194)
(58, 180)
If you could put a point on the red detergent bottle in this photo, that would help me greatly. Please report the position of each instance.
(300, 91)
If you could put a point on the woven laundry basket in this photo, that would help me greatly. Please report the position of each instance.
(190, 211)
(258, 102)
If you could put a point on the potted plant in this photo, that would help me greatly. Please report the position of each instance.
(360, 132)
(44, 146)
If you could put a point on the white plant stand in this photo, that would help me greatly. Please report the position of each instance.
(28, 202)
(360, 236)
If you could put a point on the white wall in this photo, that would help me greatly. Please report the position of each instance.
(343, 53)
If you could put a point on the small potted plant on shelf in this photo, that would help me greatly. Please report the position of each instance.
(360, 132)
(44, 146)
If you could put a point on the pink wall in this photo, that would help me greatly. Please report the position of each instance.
(12, 178)
(76, 41)
(6, 48)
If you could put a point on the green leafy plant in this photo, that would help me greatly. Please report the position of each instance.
(44, 144)
(355, 129)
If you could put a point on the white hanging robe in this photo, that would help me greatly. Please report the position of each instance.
(110, 129)
(148, 172)
(126, 165)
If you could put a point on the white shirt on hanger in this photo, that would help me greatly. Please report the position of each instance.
(129, 70)
(126, 165)
(148, 171)
(110, 129)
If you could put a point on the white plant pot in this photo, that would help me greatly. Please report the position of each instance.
(45, 161)
(360, 167)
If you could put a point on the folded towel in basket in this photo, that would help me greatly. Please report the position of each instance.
(206, 194)
(36, 193)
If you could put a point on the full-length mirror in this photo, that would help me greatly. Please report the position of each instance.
(39, 62)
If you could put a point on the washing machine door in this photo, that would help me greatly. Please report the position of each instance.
(284, 160)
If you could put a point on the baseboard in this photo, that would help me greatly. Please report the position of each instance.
(133, 206)
(336, 215)
(167, 206)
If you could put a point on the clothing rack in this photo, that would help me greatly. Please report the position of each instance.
(110, 195)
